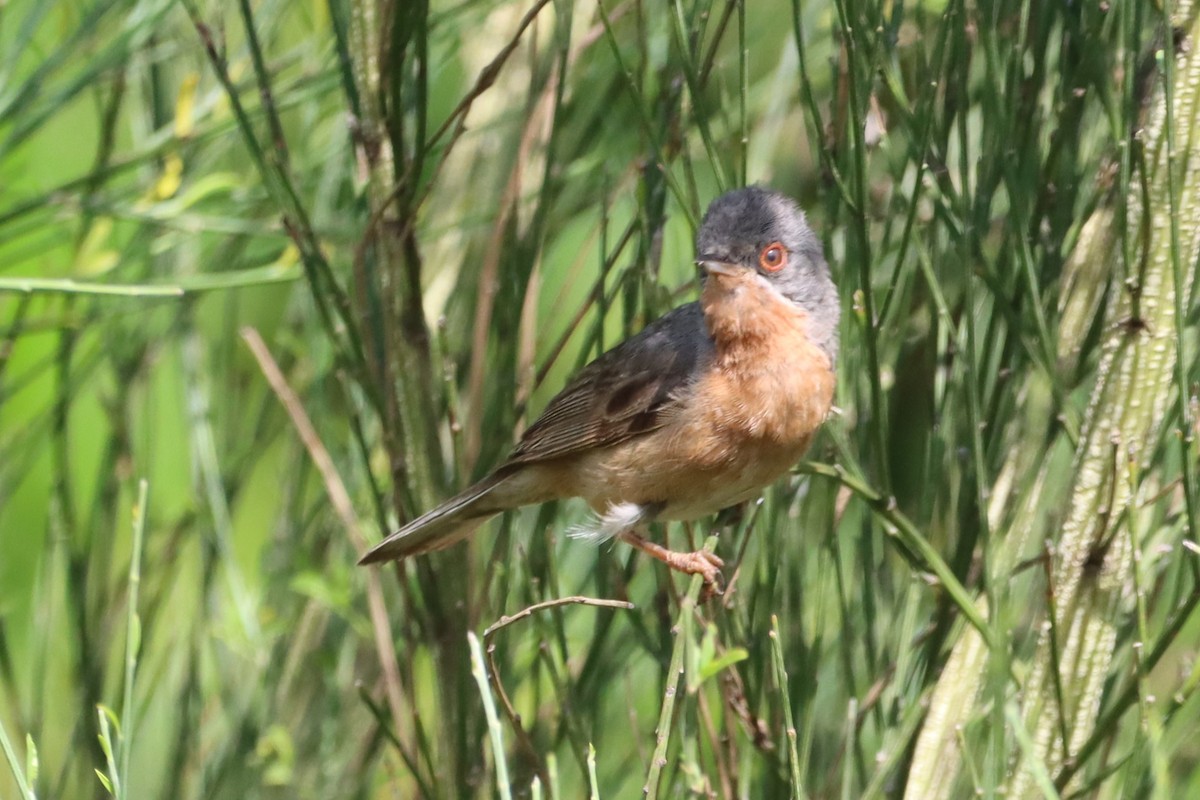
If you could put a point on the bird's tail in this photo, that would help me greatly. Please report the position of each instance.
(441, 527)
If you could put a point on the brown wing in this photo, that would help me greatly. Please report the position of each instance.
(628, 391)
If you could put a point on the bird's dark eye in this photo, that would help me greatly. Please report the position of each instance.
(773, 257)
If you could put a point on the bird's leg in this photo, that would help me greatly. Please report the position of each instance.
(699, 562)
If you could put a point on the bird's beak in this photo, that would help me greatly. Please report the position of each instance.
(715, 267)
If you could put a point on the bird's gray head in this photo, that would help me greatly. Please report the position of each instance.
(762, 230)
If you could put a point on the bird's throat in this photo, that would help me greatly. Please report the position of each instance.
(742, 314)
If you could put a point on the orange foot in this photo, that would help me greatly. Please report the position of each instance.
(700, 562)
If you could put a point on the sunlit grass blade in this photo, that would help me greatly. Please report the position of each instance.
(495, 734)
(785, 699)
(14, 764)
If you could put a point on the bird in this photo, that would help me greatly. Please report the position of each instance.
(699, 412)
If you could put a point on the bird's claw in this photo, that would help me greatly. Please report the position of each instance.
(699, 562)
(705, 564)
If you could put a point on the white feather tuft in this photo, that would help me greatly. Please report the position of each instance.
(620, 517)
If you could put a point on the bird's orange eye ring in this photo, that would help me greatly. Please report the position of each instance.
(773, 257)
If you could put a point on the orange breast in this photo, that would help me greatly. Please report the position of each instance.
(740, 426)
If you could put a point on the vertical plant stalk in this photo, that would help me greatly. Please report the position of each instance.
(133, 627)
(593, 782)
(495, 732)
(1091, 574)
(390, 280)
(781, 677)
(667, 713)
(388, 60)
(937, 758)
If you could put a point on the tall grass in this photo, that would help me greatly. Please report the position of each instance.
(303, 269)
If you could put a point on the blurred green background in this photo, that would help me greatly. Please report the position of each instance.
(276, 276)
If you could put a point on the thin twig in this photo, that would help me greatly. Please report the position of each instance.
(487, 77)
(507, 620)
(510, 711)
(514, 719)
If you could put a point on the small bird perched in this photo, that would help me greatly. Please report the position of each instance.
(700, 411)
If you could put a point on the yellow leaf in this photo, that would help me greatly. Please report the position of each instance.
(185, 105)
(289, 257)
(172, 176)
